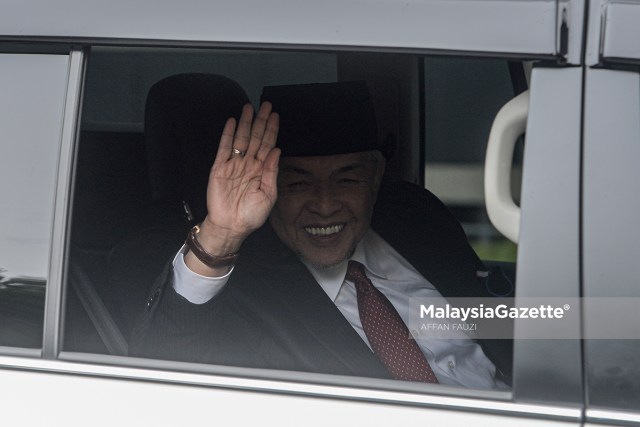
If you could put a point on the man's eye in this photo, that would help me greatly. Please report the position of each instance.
(297, 184)
(349, 181)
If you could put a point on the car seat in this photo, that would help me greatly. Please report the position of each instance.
(184, 118)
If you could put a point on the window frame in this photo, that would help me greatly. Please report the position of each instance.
(350, 388)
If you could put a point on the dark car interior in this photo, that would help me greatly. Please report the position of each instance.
(138, 190)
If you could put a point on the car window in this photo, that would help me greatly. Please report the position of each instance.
(124, 234)
(31, 113)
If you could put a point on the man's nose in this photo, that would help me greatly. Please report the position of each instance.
(325, 201)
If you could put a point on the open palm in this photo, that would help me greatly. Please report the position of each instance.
(242, 184)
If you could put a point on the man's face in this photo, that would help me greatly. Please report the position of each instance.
(325, 204)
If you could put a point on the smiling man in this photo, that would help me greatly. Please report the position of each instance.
(285, 271)
(325, 204)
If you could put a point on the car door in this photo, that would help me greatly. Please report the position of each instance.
(548, 375)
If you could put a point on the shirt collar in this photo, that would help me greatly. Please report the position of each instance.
(368, 253)
(331, 279)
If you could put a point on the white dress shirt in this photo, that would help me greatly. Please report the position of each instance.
(455, 361)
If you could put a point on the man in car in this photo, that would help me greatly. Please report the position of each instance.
(285, 271)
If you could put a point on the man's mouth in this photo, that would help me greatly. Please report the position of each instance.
(324, 231)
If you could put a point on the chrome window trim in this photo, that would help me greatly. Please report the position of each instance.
(53, 299)
(20, 351)
(608, 416)
(283, 375)
(505, 408)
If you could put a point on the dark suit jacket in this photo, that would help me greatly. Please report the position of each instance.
(273, 314)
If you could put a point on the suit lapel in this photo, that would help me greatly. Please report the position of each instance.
(311, 311)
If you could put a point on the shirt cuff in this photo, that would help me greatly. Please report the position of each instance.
(195, 288)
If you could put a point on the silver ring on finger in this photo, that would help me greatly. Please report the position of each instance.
(237, 152)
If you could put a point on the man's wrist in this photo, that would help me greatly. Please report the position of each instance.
(210, 260)
(214, 241)
(218, 240)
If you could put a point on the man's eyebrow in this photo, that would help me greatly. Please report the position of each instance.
(349, 168)
(293, 169)
(343, 169)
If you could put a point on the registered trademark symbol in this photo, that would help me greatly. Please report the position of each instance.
(567, 307)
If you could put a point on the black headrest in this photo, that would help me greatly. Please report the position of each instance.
(406, 212)
(184, 118)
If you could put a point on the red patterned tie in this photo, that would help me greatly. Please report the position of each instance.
(386, 332)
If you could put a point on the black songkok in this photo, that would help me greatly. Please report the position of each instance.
(323, 119)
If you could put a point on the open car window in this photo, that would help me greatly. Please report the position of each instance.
(125, 231)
